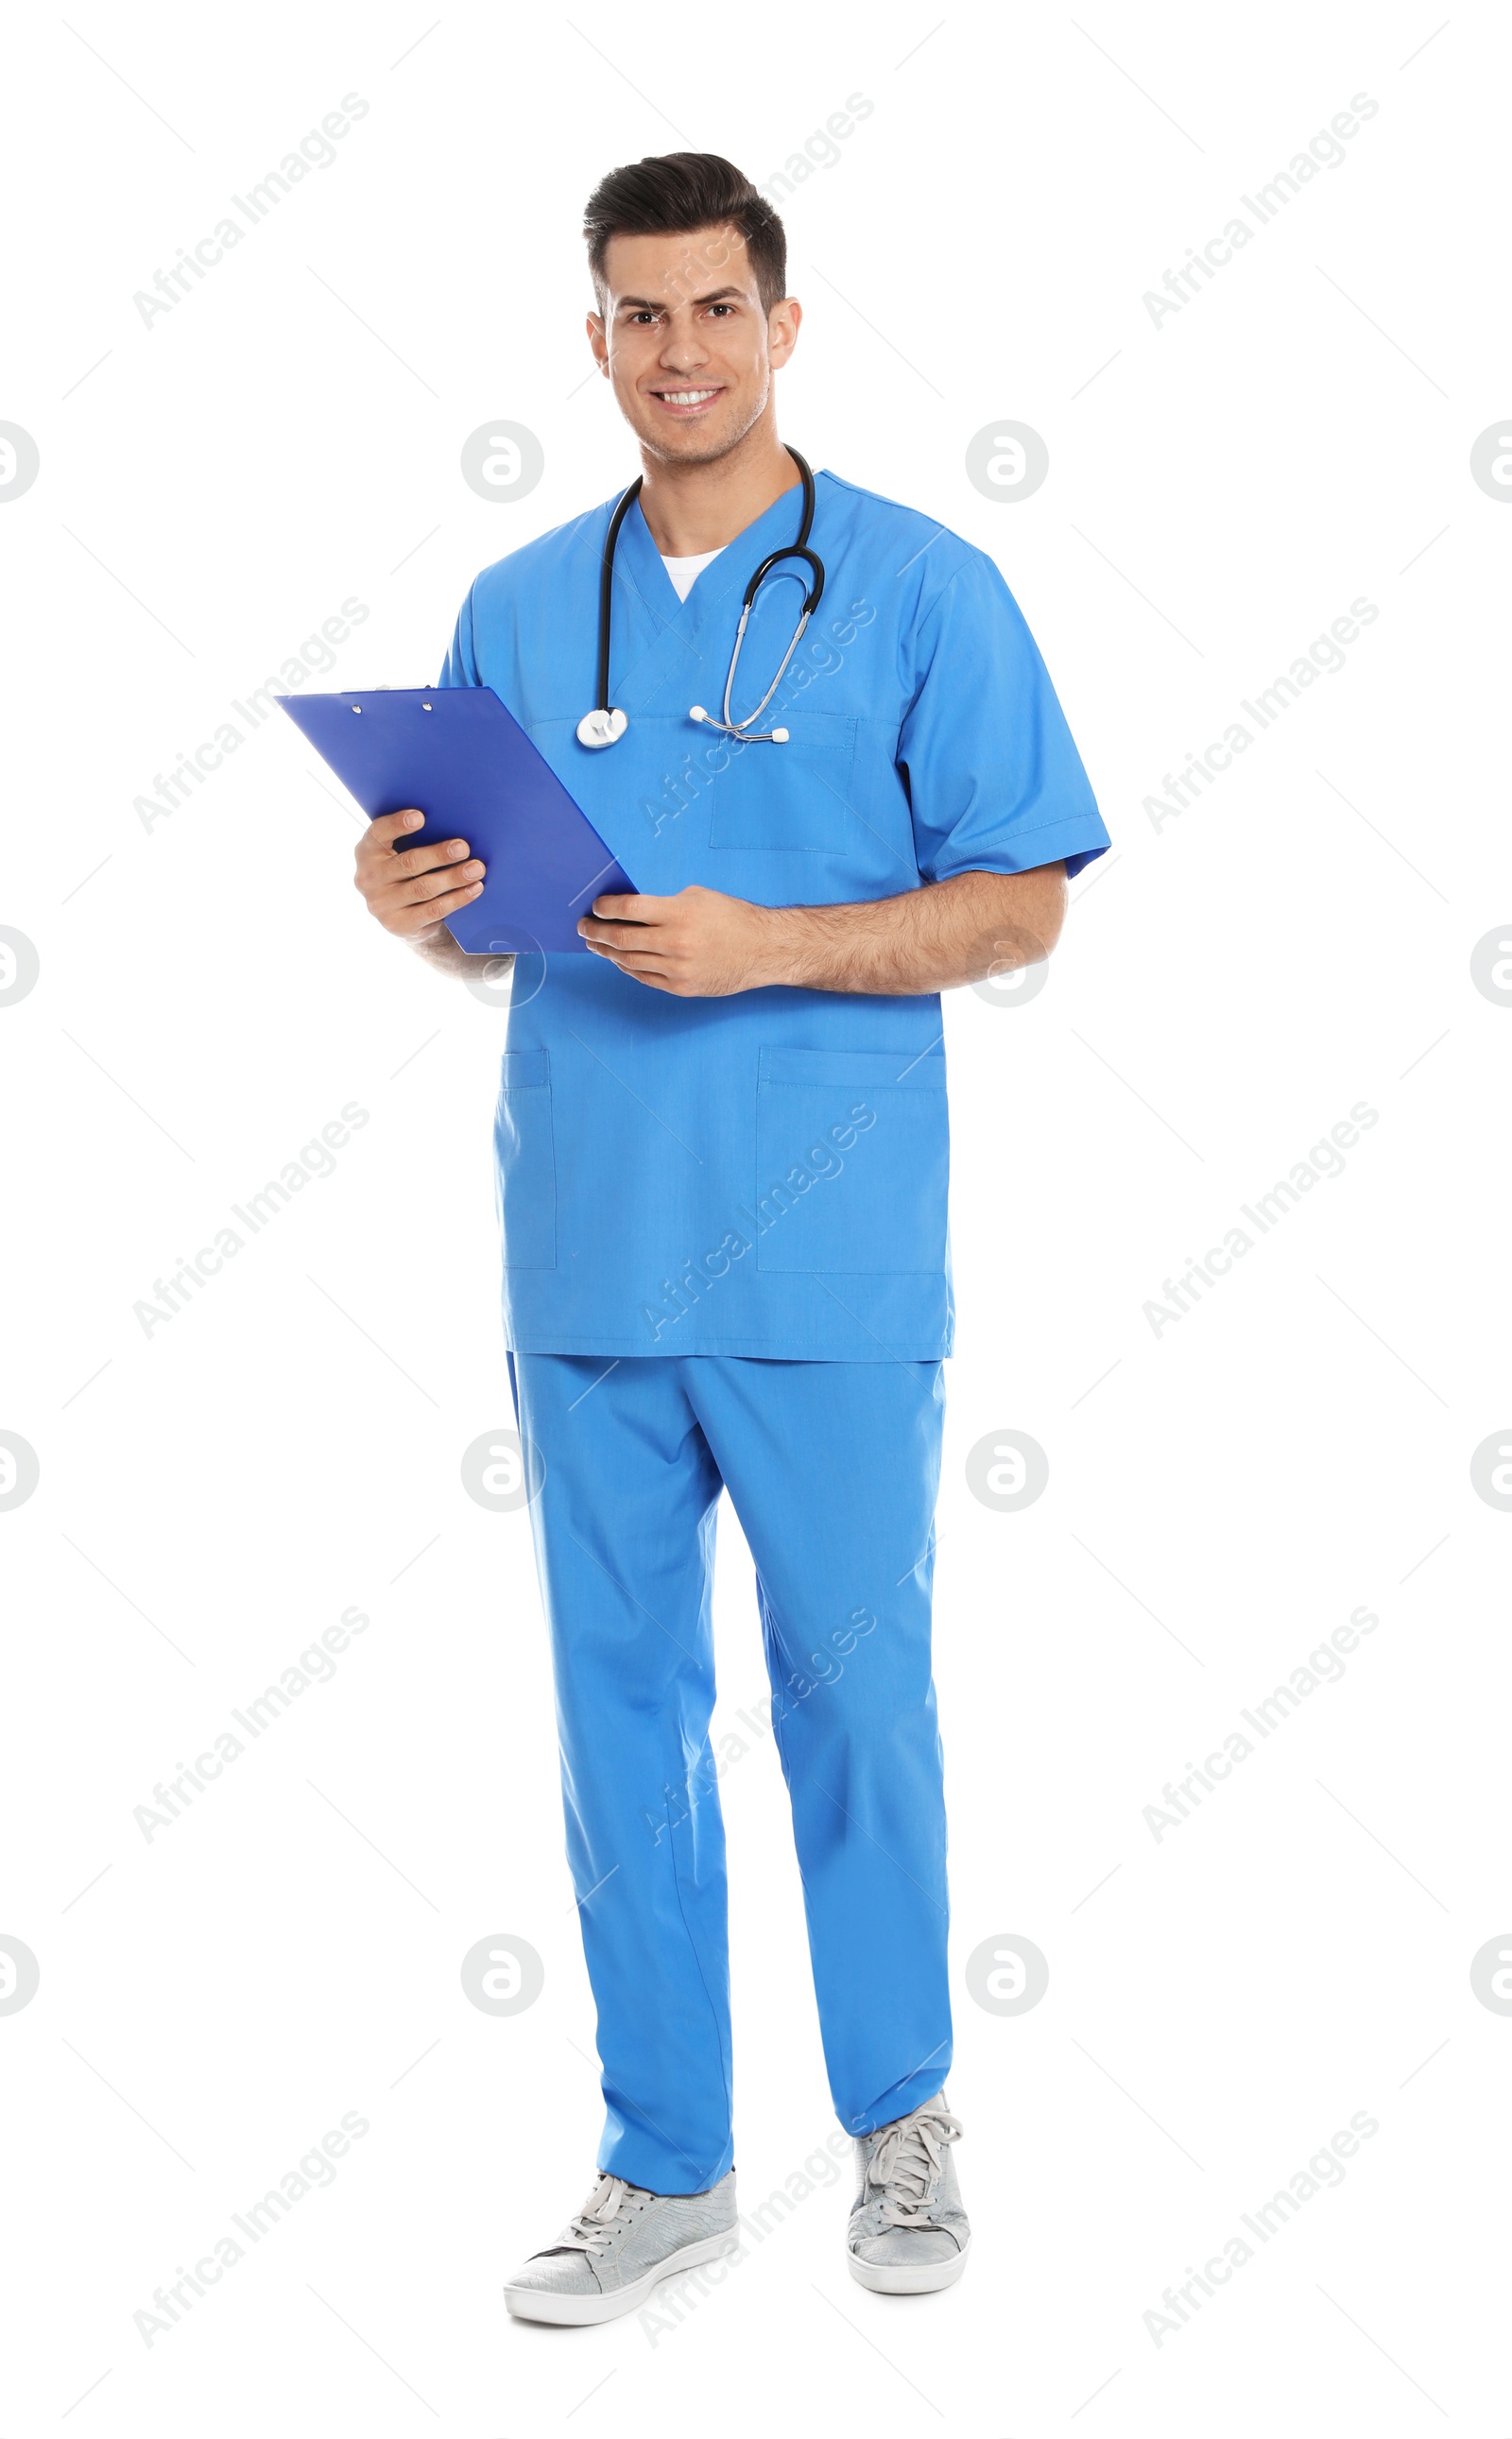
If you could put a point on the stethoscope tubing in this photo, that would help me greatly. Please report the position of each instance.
(606, 589)
(797, 549)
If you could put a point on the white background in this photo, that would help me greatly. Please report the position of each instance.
(1221, 1496)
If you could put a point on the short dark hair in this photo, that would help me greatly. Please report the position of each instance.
(677, 192)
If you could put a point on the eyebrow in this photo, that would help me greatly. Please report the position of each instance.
(656, 304)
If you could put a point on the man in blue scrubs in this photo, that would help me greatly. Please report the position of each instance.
(722, 1154)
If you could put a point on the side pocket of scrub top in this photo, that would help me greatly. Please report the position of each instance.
(852, 1161)
(524, 1148)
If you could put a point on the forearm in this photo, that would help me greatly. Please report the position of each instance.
(930, 939)
(439, 951)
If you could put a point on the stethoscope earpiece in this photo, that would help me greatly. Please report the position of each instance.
(603, 727)
(696, 711)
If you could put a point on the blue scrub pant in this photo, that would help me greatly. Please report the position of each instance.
(833, 1470)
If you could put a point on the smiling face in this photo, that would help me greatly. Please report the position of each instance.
(687, 341)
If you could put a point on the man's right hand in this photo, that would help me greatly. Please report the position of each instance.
(412, 891)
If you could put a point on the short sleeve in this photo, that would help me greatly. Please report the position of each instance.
(460, 667)
(995, 782)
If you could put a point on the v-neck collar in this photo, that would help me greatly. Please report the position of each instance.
(735, 564)
(662, 651)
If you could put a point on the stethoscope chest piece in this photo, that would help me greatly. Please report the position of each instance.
(602, 728)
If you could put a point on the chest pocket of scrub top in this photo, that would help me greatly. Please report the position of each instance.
(793, 796)
(852, 1159)
(525, 1153)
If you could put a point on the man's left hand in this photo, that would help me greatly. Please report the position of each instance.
(702, 945)
(698, 945)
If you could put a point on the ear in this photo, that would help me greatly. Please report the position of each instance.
(783, 324)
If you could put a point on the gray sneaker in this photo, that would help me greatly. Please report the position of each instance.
(622, 2243)
(908, 2234)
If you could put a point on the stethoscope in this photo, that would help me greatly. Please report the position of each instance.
(603, 727)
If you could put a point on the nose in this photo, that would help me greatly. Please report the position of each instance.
(683, 349)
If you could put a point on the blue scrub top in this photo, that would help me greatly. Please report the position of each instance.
(765, 1174)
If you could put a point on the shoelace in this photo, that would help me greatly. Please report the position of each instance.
(906, 2167)
(594, 2224)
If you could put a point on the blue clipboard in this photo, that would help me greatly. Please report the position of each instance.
(460, 756)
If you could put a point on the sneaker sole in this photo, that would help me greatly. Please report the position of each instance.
(901, 2278)
(582, 2311)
